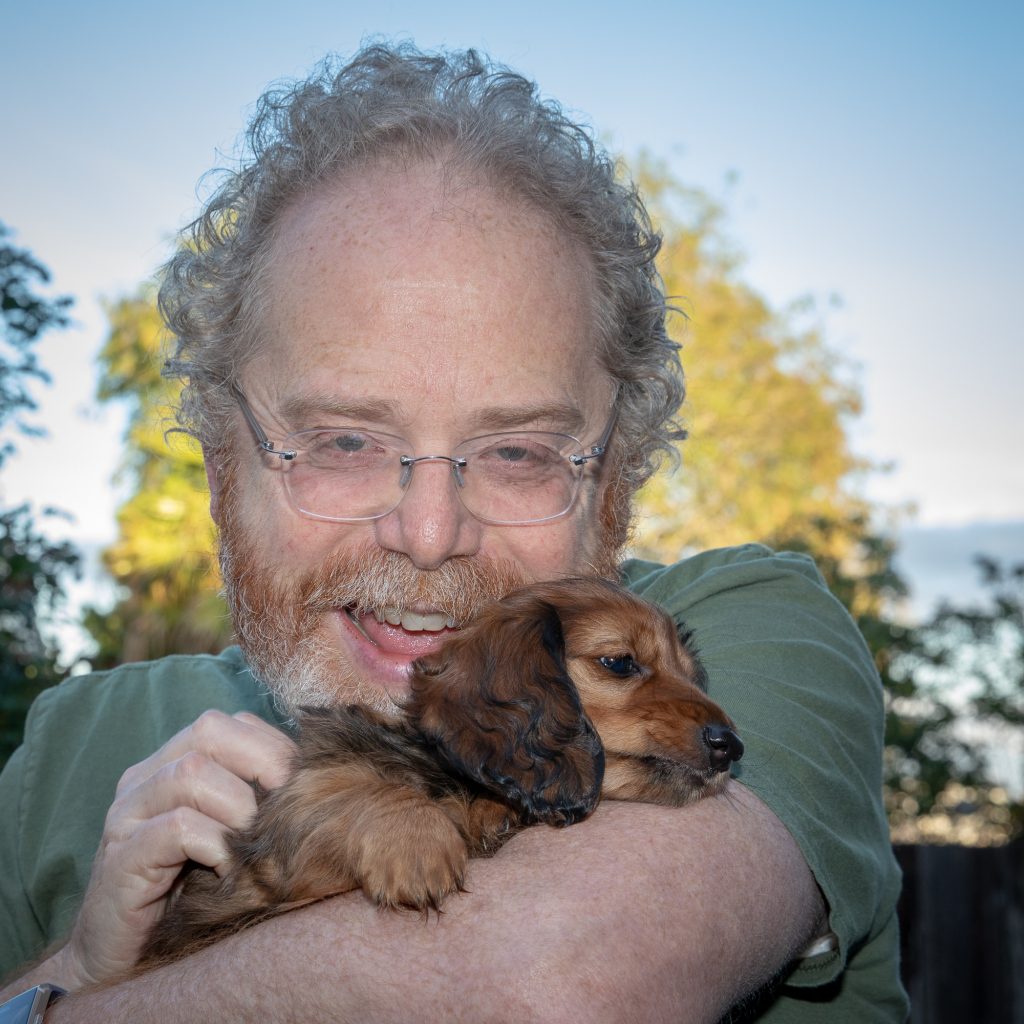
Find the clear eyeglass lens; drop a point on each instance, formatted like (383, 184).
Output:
(351, 474)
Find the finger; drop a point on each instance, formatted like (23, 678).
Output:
(184, 834)
(139, 871)
(245, 745)
(194, 780)
(281, 750)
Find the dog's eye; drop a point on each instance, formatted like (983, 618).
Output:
(621, 665)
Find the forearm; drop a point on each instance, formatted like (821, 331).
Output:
(641, 913)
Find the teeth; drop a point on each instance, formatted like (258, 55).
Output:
(414, 622)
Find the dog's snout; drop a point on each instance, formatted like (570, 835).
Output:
(724, 746)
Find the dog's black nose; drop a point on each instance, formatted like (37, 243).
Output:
(724, 746)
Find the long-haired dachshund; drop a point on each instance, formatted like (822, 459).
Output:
(553, 697)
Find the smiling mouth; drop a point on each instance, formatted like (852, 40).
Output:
(410, 621)
(416, 622)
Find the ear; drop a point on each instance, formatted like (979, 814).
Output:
(498, 705)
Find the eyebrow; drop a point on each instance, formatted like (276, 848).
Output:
(563, 416)
(304, 410)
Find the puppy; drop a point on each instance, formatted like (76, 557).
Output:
(555, 696)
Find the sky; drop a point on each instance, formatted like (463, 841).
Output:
(871, 152)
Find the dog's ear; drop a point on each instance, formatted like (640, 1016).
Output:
(500, 708)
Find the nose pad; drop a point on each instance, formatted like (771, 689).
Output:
(724, 746)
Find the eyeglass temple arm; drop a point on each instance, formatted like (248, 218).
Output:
(264, 442)
(597, 450)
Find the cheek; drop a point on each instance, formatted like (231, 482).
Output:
(541, 552)
(283, 539)
(302, 544)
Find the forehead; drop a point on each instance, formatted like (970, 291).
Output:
(398, 285)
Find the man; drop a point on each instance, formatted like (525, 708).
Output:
(419, 255)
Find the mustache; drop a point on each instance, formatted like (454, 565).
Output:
(375, 580)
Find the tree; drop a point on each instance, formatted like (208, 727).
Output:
(164, 556)
(956, 694)
(24, 316)
(767, 456)
(31, 567)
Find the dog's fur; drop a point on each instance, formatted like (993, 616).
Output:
(555, 696)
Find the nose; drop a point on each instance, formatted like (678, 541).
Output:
(430, 524)
(724, 746)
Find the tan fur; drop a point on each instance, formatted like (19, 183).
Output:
(516, 721)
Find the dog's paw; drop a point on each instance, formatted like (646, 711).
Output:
(414, 865)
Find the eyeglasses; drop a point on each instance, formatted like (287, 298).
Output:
(350, 474)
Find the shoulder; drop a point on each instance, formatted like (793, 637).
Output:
(151, 695)
(749, 571)
(786, 660)
(98, 724)
(752, 608)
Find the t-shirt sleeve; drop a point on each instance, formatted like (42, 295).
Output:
(20, 934)
(788, 664)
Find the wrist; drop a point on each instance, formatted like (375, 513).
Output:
(62, 969)
(53, 970)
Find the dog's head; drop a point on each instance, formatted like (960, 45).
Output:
(564, 690)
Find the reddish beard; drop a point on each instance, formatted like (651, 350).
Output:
(280, 622)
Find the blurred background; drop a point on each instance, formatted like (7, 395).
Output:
(840, 192)
(839, 188)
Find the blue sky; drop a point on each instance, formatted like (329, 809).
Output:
(878, 150)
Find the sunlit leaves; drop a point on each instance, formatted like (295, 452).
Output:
(768, 457)
(164, 554)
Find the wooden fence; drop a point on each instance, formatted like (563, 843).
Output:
(962, 920)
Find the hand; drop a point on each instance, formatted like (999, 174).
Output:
(173, 807)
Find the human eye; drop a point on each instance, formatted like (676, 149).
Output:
(344, 449)
(519, 456)
(514, 452)
(351, 443)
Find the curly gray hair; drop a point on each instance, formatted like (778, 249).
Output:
(393, 101)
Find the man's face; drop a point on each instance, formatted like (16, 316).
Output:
(435, 317)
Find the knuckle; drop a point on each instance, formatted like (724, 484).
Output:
(210, 724)
(181, 822)
(117, 832)
(189, 767)
(130, 778)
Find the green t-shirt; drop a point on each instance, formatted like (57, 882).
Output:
(782, 656)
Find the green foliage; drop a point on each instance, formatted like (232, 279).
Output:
(954, 686)
(164, 555)
(956, 689)
(31, 567)
(24, 316)
(31, 571)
